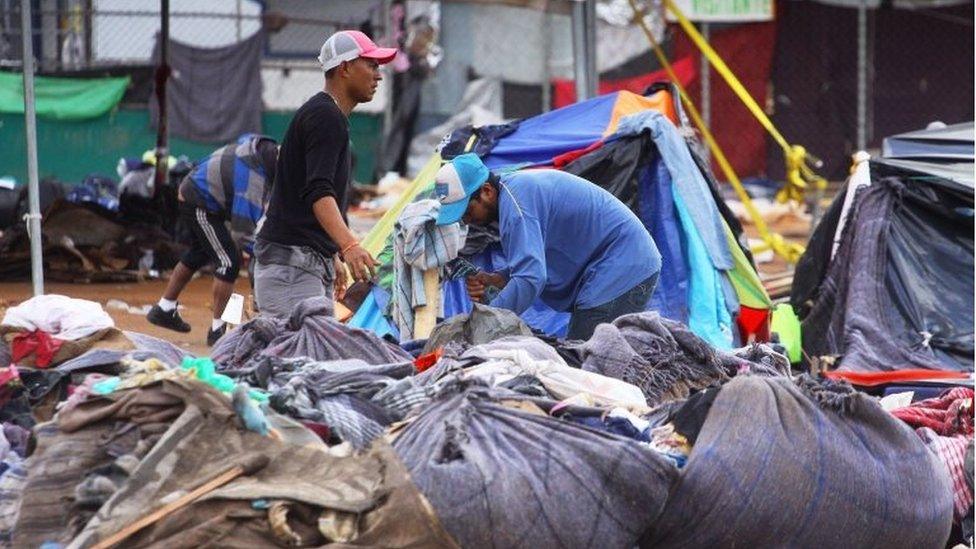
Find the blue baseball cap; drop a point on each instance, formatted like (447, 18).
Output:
(455, 184)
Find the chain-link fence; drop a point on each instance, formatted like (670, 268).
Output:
(89, 39)
(833, 77)
(71, 35)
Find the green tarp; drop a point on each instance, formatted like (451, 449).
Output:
(63, 98)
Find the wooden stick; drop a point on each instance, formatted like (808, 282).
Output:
(248, 467)
(425, 318)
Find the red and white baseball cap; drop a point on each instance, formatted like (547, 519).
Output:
(347, 45)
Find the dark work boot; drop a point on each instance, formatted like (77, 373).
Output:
(214, 335)
(170, 320)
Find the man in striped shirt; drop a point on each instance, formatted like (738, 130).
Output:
(231, 185)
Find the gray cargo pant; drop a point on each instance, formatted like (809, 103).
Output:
(284, 276)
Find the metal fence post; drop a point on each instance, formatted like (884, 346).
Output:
(162, 74)
(862, 75)
(592, 76)
(547, 54)
(33, 218)
(584, 48)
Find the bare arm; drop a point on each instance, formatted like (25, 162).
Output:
(327, 213)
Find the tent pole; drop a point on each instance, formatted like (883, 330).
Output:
(862, 75)
(386, 12)
(162, 74)
(238, 20)
(33, 218)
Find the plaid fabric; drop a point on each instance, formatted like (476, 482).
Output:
(952, 453)
(11, 486)
(344, 415)
(951, 413)
(403, 397)
(349, 417)
(419, 244)
(459, 268)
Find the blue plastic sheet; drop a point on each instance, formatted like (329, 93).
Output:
(370, 316)
(658, 214)
(541, 138)
(708, 316)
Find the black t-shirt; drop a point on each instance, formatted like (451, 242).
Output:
(313, 163)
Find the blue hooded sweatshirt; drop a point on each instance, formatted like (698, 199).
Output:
(569, 242)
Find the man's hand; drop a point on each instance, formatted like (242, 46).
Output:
(341, 278)
(477, 284)
(362, 265)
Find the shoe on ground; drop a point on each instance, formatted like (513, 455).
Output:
(214, 335)
(170, 320)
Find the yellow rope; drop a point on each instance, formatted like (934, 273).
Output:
(787, 250)
(799, 175)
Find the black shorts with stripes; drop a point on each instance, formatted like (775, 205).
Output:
(211, 243)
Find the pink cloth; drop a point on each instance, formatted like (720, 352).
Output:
(80, 392)
(952, 453)
(945, 425)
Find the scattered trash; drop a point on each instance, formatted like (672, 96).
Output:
(234, 311)
(119, 305)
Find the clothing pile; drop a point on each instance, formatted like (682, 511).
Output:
(53, 328)
(170, 436)
(508, 475)
(782, 461)
(662, 357)
(349, 399)
(309, 332)
(54, 350)
(306, 432)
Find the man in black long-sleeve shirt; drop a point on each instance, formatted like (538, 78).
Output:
(305, 238)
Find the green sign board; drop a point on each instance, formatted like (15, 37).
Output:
(725, 11)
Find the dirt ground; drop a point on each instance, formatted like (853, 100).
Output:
(195, 302)
(196, 305)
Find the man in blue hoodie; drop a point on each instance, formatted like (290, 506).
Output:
(230, 185)
(566, 240)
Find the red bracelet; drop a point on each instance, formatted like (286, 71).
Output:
(349, 247)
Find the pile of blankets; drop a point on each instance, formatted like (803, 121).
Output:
(488, 437)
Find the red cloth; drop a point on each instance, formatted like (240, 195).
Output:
(949, 414)
(872, 379)
(319, 429)
(945, 425)
(748, 51)
(38, 343)
(566, 158)
(564, 90)
(424, 362)
(753, 324)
